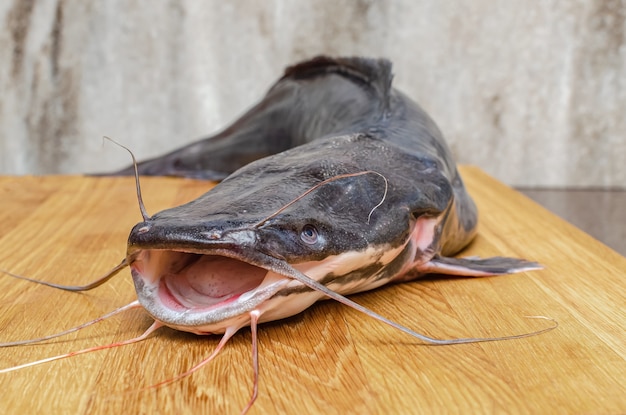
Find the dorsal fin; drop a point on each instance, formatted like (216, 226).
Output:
(372, 73)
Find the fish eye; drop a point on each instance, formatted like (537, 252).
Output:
(309, 234)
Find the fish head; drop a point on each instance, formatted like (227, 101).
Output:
(203, 266)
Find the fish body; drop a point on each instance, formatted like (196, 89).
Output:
(335, 179)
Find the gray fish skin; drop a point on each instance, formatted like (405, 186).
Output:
(387, 203)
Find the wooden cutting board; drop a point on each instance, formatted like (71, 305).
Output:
(330, 359)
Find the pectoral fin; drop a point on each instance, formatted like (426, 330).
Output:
(477, 267)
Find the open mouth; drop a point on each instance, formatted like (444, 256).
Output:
(200, 282)
(194, 291)
(196, 282)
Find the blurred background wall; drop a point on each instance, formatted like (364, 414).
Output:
(532, 92)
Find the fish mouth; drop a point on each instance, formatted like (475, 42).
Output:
(200, 282)
(201, 292)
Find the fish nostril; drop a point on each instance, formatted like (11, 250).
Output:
(143, 229)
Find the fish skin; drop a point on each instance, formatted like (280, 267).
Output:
(401, 215)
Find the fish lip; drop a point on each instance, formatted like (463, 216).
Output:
(164, 298)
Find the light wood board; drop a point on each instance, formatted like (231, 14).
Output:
(329, 359)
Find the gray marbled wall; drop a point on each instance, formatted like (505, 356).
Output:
(533, 92)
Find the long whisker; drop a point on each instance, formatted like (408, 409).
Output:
(381, 200)
(86, 287)
(311, 283)
(320, 184)
(230, 331)
(254, 320)
(151, 329)
(134, 304)
(142, 207)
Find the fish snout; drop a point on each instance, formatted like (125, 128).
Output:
(150, 234)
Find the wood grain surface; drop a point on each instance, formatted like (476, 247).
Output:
(329, 359)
